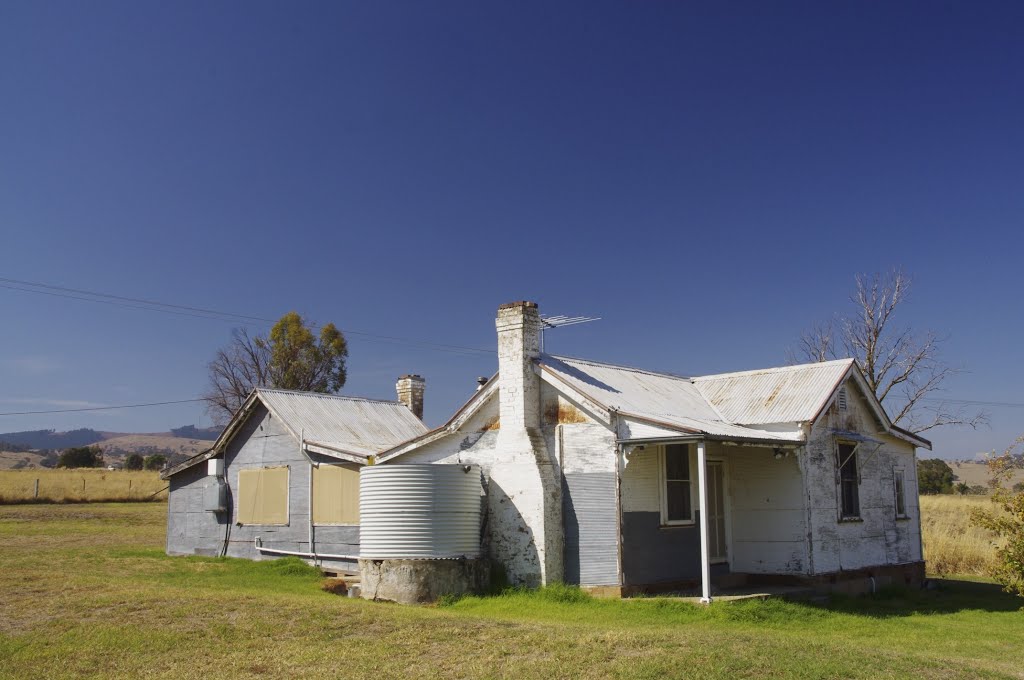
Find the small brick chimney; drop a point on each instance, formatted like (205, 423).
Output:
(410, 392)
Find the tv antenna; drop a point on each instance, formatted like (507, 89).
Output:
(560, 321)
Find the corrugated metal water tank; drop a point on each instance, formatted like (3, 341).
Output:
(419, 512)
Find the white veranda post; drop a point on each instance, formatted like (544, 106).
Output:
(702, 500)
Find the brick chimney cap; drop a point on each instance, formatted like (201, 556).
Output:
(411, 376)
(520, 303)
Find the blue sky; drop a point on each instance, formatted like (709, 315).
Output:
(706, 177)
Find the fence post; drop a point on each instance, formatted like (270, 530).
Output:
(129, 487)
(36, 492)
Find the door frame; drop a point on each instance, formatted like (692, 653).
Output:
(726, 511)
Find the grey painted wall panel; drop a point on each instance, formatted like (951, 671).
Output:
(190, 531)
(652, 554)
(591, 554)
(591, 550)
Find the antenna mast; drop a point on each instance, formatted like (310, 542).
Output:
(560, 321)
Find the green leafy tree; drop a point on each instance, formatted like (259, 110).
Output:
(934, 476)
(133, 462)
(1007, 520)
(291, 357)
(81, 457)
(154, 462)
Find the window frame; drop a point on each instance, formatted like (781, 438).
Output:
(899, 489)
(663, 485)
(840, 480)
(287, 496)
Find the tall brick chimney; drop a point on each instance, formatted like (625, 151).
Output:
(524, 489)
(410, 392)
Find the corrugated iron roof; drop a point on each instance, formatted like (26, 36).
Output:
(773, 395)
(351, 424)
(355, 426)
(661, 398)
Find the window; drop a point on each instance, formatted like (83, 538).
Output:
(263, 496)
(335, 494)
(899, 488)
(676, 506)
(849, 492)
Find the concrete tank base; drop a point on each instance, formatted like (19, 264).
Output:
(420, 581)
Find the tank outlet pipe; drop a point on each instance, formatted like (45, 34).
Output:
(258, 544)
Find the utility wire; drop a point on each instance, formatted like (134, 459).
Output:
(973, 402)
(203, 313)
(101, 408)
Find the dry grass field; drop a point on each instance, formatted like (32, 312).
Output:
(80, 485)
(952, 544)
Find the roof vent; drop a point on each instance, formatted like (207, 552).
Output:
(841, 399)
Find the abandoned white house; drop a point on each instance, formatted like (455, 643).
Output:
(629, 480)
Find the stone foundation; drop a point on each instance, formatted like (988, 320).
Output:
(421, 581)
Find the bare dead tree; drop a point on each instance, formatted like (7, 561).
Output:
(903, 367)
(234, 372)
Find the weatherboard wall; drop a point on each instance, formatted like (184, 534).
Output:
(877, 536)
(261, 442)
(190, 529)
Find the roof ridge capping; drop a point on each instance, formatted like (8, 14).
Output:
(623, 367)
(773, 369)
(345, 397)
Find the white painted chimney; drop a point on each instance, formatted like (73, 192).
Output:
(524, 488)
(410, 390)
(518, 325)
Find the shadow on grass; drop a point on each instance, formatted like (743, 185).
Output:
(949, 596)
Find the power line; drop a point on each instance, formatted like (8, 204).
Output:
(203, 313)
(101, 408)
(974, 402)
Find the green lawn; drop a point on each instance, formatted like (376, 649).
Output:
(87, 591)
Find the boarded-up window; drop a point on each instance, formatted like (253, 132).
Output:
(335, 495)
(676, 505)
(263, 496)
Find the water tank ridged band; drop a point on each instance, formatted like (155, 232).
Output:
(419, 512)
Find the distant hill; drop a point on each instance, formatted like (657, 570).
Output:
(30, 448)
(50, 439)
(193, 432)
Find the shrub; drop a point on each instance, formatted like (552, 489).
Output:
(1008, 524)
(934, 476)
(133, 462)
(154, 462)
